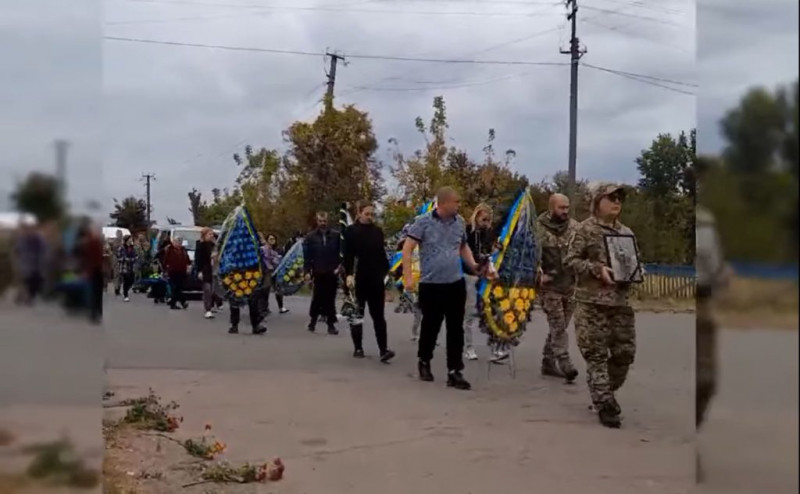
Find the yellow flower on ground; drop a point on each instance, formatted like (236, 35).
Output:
(509, 318)
(505, 304)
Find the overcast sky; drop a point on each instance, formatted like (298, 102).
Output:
(180, 112)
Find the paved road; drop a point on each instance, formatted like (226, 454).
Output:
(46, 359)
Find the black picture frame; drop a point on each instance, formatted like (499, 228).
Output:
(622, 257)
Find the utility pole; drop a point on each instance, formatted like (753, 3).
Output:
(147, 178)
(331, 78)
(61, 166)
(575, 52)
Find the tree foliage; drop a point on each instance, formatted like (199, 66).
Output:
(39, 195)
(130, 213)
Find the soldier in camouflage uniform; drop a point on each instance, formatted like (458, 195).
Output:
(604, 318)
(556, 286)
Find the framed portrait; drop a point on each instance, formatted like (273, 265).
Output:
(623, 258)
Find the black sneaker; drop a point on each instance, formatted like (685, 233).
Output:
(358, 353)
(185, 305)
(259, 330)
(312, 326)
(456, 380)
(283, 310)
(386, 356)
(425, 373)
(233, 330)
(608, 416)
(332, 330)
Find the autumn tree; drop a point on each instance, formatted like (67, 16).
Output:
(130, 213)
(39, 195)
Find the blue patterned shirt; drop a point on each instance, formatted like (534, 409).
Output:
(440, 241)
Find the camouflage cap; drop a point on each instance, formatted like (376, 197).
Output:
(601, 189)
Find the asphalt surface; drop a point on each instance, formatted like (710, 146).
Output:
(750, 444)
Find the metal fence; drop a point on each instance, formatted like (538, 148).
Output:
(670, 281)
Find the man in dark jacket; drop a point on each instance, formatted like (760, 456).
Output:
(366, 266)
(321, 254)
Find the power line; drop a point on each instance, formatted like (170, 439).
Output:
(642, 76)
(621, 30)
(181, 19)
(639, 78)
(349, 10)
(636, 16)
(451, 86)
(317, 54)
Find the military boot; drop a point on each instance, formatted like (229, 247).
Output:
(568, 370)
(608, 416)
(549, 368)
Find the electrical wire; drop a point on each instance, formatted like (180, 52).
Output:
(636, 16)
(316, 54)
(621, 30)
(346, 9)
(633, 74)
(643, 79)
(451, 86)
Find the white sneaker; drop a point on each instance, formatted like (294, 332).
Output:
(470, 354)
(126, 299)
(209, 315)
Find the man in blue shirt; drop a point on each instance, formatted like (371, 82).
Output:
(442, 240)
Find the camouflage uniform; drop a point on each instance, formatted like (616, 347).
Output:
(557, 296)
(711, 272)
(604, 318)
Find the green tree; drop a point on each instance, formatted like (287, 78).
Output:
(130, 213)
(39, 195)
(755, 131)
(328, 161)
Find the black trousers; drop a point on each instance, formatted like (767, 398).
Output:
(127, 283)
(177, 281)
(371, 293)
(278, 298)
(323, 298)
(97, 284)
(253, 309)
(443, 303)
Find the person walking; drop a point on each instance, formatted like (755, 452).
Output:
(126, 266)
(482, 242)
(366, 266)
(117, 276)
(442, 239)
(273, 255)
(205, 272)
(176, 265)
(604, 319)
(556, 286)
(321, 254)
(30, 252)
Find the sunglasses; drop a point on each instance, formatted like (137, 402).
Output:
(616, 197)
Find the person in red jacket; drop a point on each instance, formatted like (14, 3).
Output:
(176, 264)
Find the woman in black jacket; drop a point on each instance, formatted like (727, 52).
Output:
(205, 272)
(366, 265)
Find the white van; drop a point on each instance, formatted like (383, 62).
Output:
(110, 232)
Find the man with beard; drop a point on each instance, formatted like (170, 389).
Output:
(321, 255)
(556, 286)
(366, 265)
